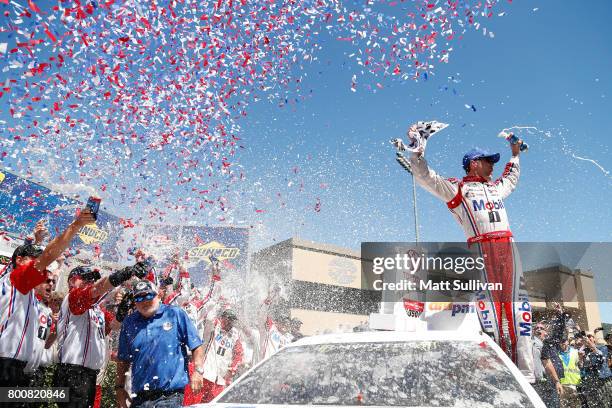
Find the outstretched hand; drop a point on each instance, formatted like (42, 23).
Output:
(84, 217)
(40, 231)
(140, 270)
(516, 147)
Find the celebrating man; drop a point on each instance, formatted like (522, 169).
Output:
(20, 314)
(476, 202)
(83, 326)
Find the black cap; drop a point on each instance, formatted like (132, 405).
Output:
(86, 273)
(229, 314)
(30, 250)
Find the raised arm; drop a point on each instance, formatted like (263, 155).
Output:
(61, 242)
(510, 177)
(431, 181)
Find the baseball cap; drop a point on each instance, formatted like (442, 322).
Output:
(144, 287)
(476, 154)
(30, 250)
(86, 273)
(229, 314)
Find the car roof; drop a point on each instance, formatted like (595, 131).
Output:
(390, 336)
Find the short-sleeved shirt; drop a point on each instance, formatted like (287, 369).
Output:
(157, 348)
(550, 351)
(82, 329)
(20, 317)
(538, 369)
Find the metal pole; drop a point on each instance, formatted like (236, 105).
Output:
(406, 165)
(416, 217)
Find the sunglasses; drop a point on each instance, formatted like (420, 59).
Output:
(144, 298)
(52, 281)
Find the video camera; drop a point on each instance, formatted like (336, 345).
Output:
(580, 335)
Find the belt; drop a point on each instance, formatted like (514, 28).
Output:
(152, 395)
(488, 236)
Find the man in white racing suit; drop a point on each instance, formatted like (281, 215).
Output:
(477, 204)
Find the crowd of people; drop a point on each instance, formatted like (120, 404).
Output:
(173, 343)
(177, 344)
(571, 370)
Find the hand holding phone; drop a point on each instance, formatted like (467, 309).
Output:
(93, 204)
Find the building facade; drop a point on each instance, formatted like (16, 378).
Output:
(324, 287)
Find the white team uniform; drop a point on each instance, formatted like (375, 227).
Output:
(477, 205)
(21, 324)
(45, 357)
(223, 353)
(81, 338)
(274, 339)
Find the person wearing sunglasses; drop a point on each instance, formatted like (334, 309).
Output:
(154, 342)
(476, 202)
(82, 329)
(19, 307)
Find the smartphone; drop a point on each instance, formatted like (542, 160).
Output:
(93, 203)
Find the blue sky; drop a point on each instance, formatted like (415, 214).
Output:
(548, 68)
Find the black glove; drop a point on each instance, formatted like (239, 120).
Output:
(167, 281)
(140, 269)
(127, 303)
(120, 276)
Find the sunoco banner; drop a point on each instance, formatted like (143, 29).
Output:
(194, 246)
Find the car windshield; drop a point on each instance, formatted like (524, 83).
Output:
(414, 373)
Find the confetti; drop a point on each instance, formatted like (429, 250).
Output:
(147, 100)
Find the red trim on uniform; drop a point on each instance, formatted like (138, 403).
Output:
(456, 200)
(80, 299)
(169, 269)
(98, 398)
(488, 236)
(507, 170)
(25, 327)
(26, 277)
(468, 179)
(237, 356)
(210, 390)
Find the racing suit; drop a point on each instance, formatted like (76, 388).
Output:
(478, 207)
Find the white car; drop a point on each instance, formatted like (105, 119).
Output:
(384, 369)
